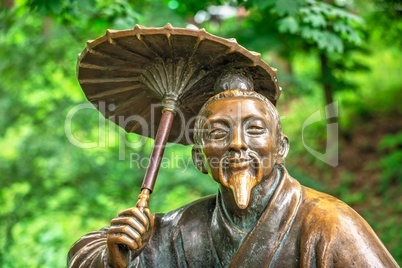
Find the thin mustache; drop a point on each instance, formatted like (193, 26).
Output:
(238, 157)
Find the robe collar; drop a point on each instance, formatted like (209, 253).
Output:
(261, 246)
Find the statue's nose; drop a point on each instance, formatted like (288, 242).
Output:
(237, 143)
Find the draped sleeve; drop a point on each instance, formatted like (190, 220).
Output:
(89, 251)
(165, 248)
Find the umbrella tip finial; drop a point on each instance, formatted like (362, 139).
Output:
(168, 26)
(255, 54)
(256, 57)
(202, 34)
(109, 35)
(137, 27)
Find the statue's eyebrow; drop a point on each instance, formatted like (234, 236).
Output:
(213, 121)
(265, 119)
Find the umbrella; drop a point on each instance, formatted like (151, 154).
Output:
(146, 76)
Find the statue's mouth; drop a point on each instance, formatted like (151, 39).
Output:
(235, 164)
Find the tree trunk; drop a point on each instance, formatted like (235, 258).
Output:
(326, 75)
(331, 112)
(7, 3)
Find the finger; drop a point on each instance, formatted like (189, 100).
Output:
(137, 213)
(127, 231)
(127, 212)
(119, 239)
(150, 218)
(130, 221)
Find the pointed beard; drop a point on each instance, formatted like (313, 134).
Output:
(241, 182)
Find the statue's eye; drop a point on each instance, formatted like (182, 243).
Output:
(255, 128)
(218, 134)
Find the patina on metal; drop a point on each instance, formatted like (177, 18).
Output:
(261, 216)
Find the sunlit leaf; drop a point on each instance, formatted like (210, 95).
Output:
(288, 24)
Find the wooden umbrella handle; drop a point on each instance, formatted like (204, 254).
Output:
(161, 138)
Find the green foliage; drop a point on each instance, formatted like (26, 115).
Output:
(326, 26)
(285, 7)
(314, 28)
(376, 96)
(391, 146)
(52, 192)
(385, 21)
(345, 193)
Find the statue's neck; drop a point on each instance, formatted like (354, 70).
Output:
(245, 219)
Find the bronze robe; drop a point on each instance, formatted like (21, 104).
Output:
(299, 228)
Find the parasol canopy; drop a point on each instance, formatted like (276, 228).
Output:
(135, 74)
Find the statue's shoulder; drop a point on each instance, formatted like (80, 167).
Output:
(331, 218)
(197, 210)
(326, 208)
(315, 206)
(330, 228)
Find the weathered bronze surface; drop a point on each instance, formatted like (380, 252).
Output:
(260, 217)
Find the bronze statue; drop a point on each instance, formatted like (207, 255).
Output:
(260, 217)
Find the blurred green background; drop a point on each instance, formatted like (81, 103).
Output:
(346, 52)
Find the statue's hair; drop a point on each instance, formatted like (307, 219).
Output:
(234, 79)
(201, 118)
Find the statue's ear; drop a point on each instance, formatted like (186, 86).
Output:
(283, 149)
(198, 159)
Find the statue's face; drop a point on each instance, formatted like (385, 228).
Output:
(239, 143)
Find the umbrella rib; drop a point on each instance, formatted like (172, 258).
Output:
(109, 68)
(108, 80)
(146, 45)
(169, 68)
(188, 74)
(183, 87)
(120, 108)
(125, 48)
(149, 80)
(170, 72)
(170, 45)
(102, 54)
(196, 46)
(158, 76)
(110, 92)
(194, 80)
(144, 114)
(166, 81)
(179, 68)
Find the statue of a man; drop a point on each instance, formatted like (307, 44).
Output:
(261, 216)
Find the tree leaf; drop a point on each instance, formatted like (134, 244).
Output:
(316, 20)
(290, 7)
(288, 25)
